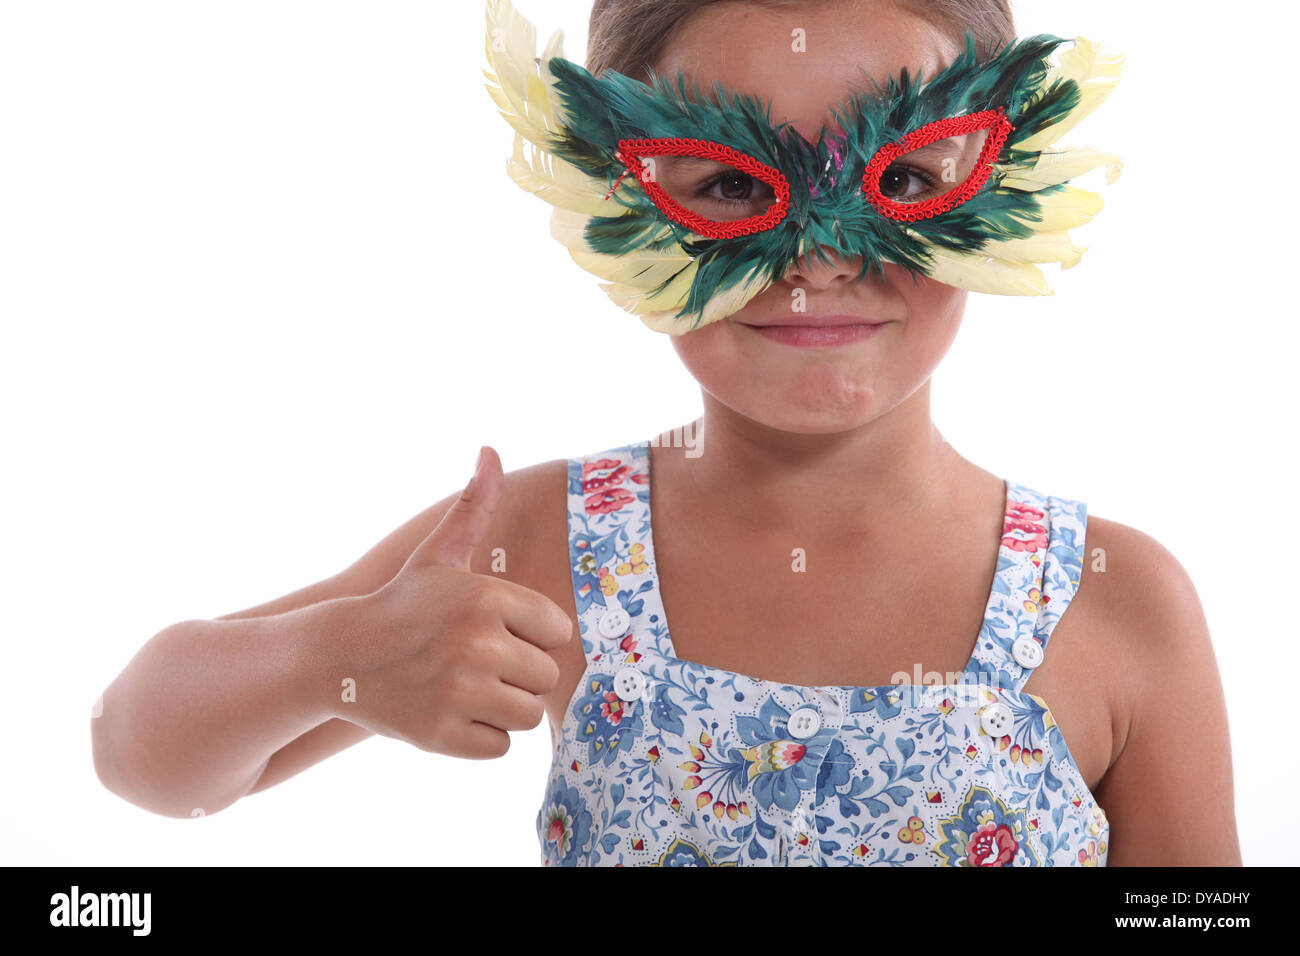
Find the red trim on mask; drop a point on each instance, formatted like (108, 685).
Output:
(992, 120)
(630, 152)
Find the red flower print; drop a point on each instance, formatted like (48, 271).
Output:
(1027, 519)
(601, 483)
(608, 473)
(614, 709)
(1023, 511)
(790, 754)
(991, 845)
(604, 502)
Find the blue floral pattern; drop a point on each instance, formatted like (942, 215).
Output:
(564, 823)
(607, 723)
(707, 767)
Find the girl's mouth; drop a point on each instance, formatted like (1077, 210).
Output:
(820, 331)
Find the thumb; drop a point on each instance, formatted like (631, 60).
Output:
(453, 541)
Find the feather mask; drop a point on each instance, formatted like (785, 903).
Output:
(687, 206)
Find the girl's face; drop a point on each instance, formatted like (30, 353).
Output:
(801, 379)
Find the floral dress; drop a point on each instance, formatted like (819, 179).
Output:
(666, 762)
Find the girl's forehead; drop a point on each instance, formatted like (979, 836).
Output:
(805, 61)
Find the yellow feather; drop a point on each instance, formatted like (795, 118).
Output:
(983, 273)
(639, 301)
(1067, 209)
(519, 81)
(638, 296)
(1049, 246)
(717, 308)
(522, 88)
(641, 270)
(559, 183)
(1097, 75)
(1008, 267)
(631, 278)
(1054, 168)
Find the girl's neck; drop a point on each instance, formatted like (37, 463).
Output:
(896, 466)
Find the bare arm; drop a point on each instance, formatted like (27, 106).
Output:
(190, 722)
(265, 717)
(1169, 793)
(367, 575)
(211, 710)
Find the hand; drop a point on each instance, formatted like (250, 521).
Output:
(446, 659)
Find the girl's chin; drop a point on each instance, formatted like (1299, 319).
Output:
(808, 417)
(815, 426)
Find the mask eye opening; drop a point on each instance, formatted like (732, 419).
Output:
(994, 121)
(630, 151)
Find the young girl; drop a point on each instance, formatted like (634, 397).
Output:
(857, 669)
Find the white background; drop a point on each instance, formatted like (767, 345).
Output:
(265, 287)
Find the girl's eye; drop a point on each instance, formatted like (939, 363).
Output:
(709, 188)
(932, 170)
(935, 167)
(903, 183)
(712, 189)
(733, 187)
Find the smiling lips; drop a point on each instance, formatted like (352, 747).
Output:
(819, 331)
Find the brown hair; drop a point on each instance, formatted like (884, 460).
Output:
(628, 35)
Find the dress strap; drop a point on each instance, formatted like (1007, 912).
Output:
(1040, 561)
(610, 552)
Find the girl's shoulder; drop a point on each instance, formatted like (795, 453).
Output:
(1170, 780)
(1133, 585)
(1135, 611)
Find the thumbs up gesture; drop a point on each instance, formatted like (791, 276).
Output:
(449, 660)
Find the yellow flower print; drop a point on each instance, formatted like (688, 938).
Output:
(635, 563)
(1024, 755)
(607, 583)
(1037, 599)
(1090, 855)
(1098, 824)
(637, 557)
(914, 832)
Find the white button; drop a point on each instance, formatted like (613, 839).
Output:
(996, 719)
(629, 684)
(804, 722)
(614, 622)
(1027, 652)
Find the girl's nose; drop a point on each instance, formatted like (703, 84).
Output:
(811, 271)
